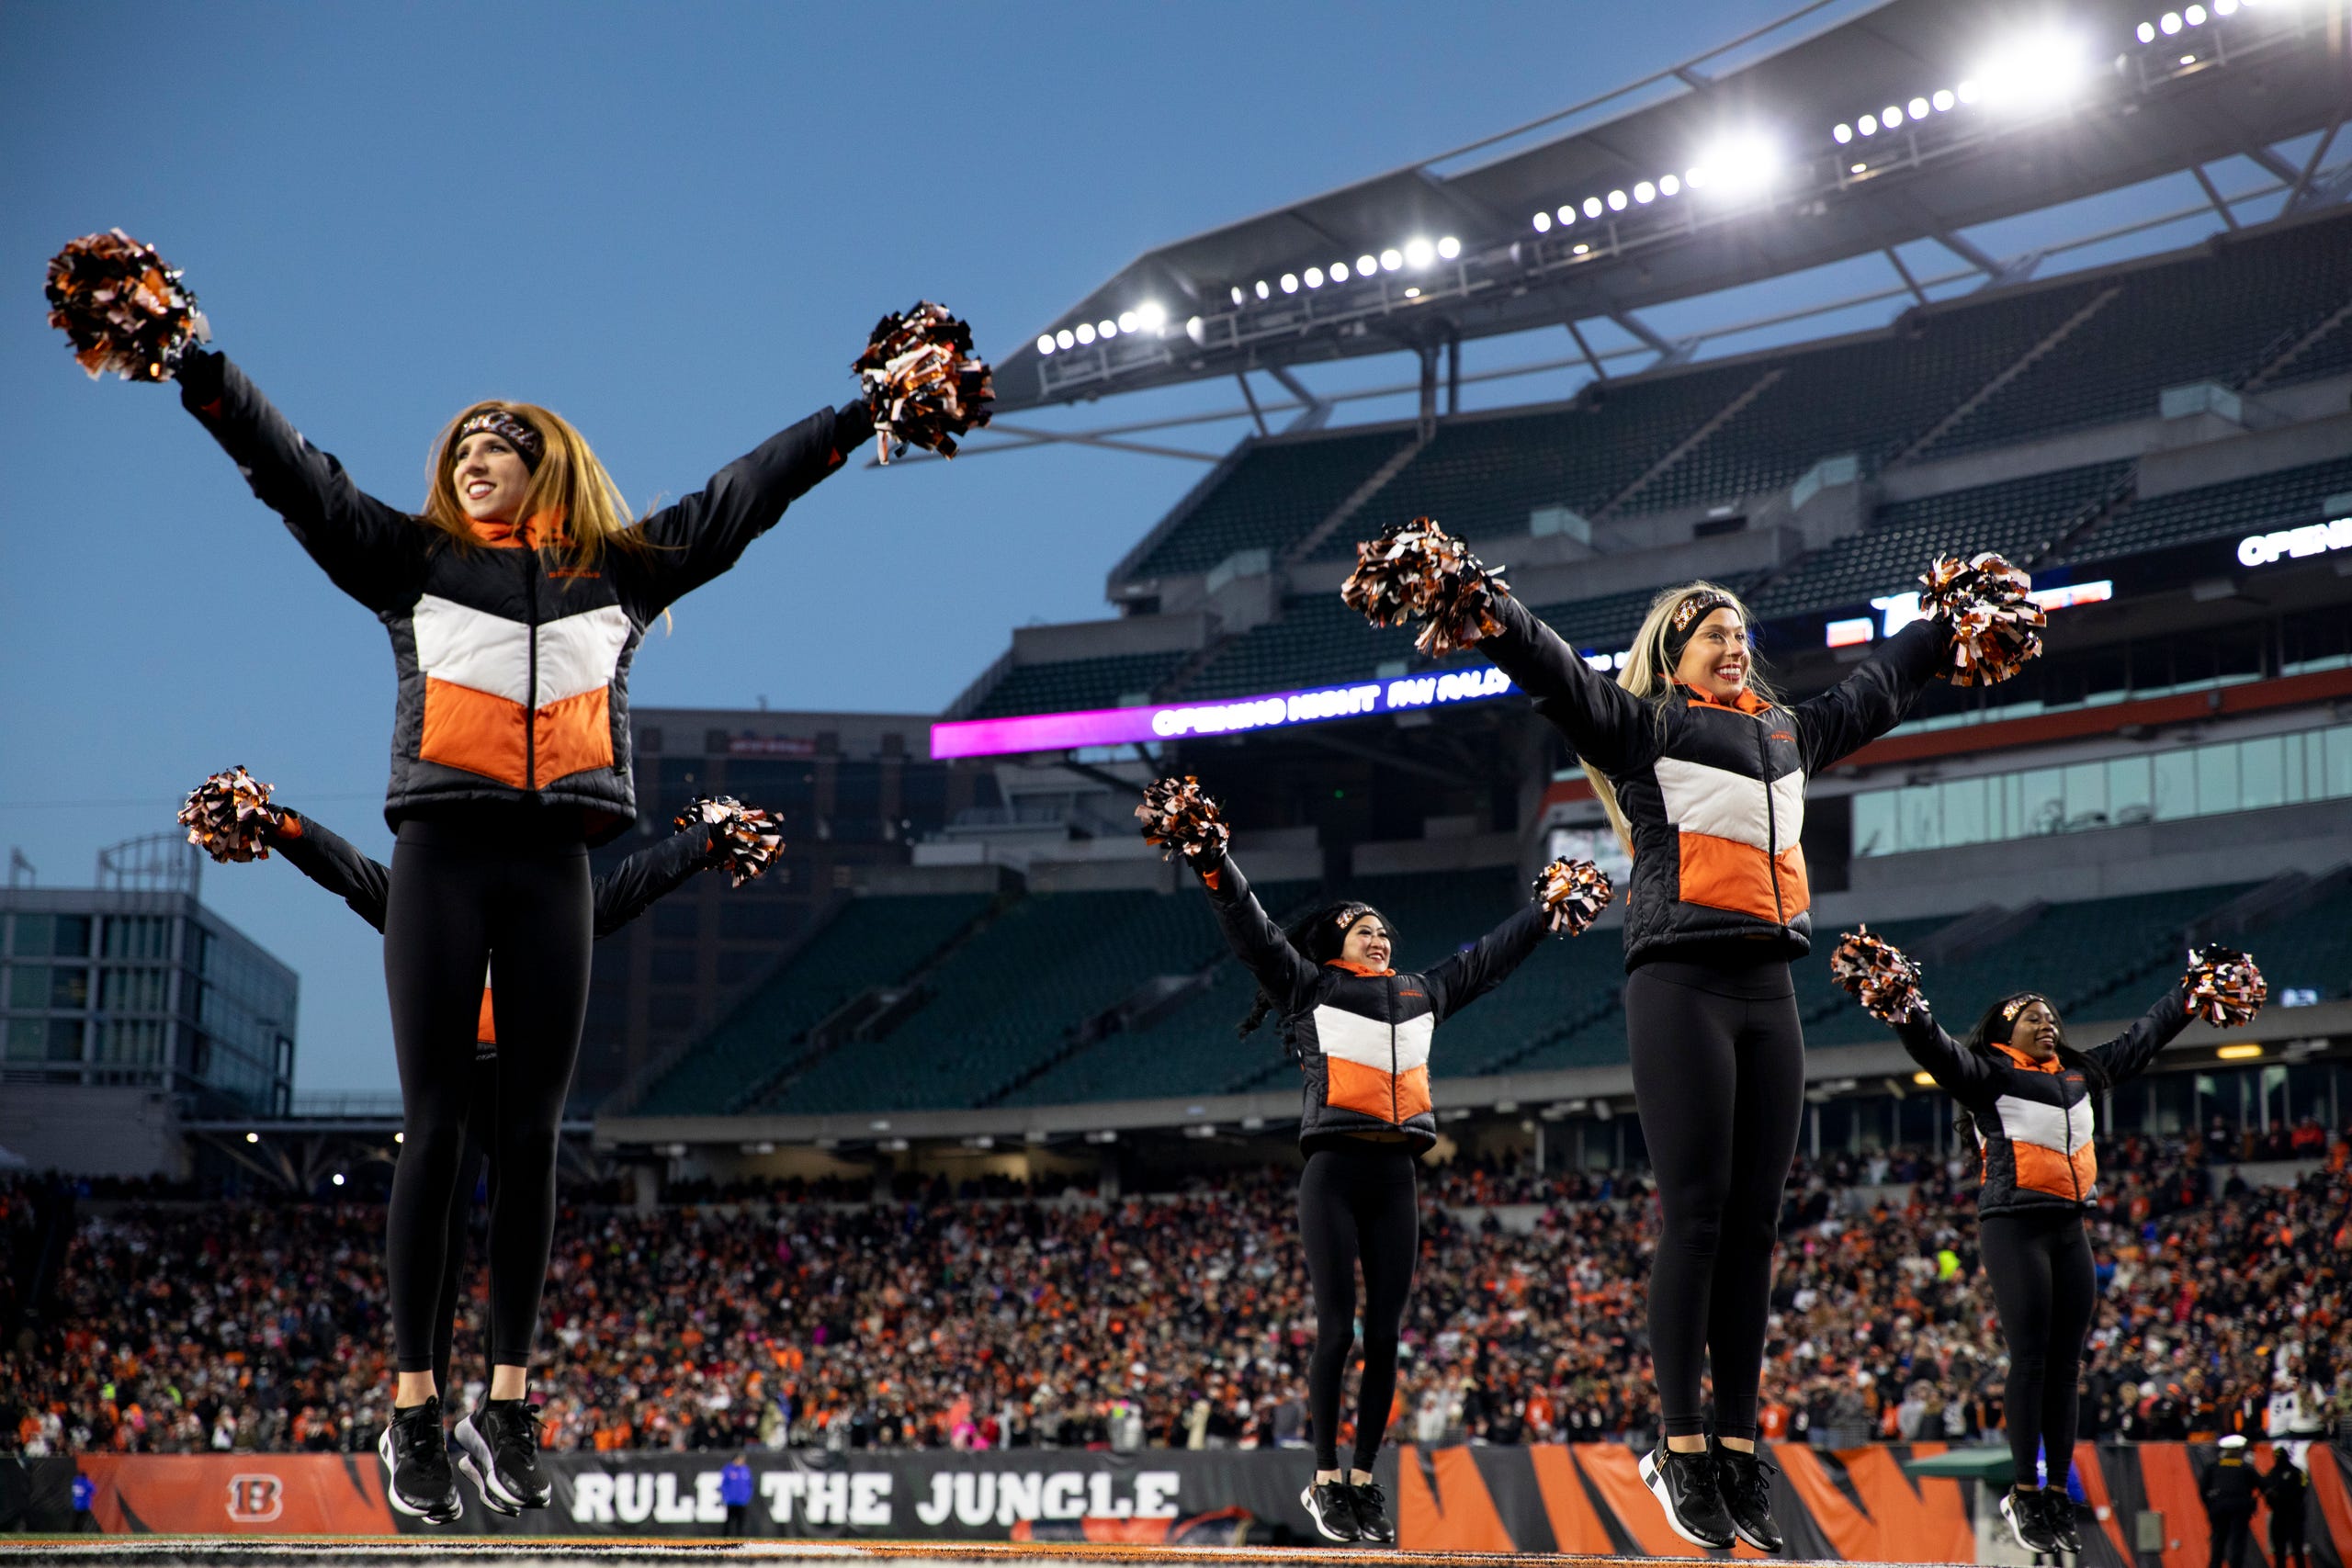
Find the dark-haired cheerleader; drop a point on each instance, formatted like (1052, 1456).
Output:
(1361, 1034)
(498, 1443)
(516, 598)
(2028, 1103)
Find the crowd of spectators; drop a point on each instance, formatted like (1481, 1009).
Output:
(830, 1316)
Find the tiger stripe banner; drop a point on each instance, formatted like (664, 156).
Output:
(1584, 1499)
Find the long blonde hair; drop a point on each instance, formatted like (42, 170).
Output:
(1646, 676)
(580, 509)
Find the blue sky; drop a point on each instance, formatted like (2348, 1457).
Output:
(674, 224)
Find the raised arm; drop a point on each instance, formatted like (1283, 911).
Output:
(371, 551)
(1254, 938)
(1462, 979)
(327, 858)
(2129, 1054)
(1609, 727)
(707, 531)
(1966, 1076)
(632, 887)
(1874, 699)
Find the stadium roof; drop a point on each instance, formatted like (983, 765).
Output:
(1911, 121)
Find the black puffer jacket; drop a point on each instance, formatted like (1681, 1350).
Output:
(1363, 1036)
(513, 664)
(1714, 794)
(2035, 1124)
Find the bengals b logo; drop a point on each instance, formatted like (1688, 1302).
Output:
(255, 1499)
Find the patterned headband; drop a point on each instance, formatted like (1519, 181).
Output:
(1687, 614)
(508, 428)
(2010, 1011)
(1352, 913)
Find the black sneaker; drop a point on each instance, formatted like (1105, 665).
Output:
(1747, 1481)
(2058, 1514)
(2023, 1512)
(415, 1452)
(1332, 1506)
(1374, 1527)
(500, 1444)
(1686, 1486)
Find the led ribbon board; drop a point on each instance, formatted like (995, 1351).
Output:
(1173, 721)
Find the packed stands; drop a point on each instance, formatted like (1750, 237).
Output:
(237, 1327)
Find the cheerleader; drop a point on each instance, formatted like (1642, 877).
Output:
(1360, 1033)
(2028, 1101)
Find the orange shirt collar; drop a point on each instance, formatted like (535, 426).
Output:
(1747, 702)
(539, 529)
(2026, 1061)
(1353, 967)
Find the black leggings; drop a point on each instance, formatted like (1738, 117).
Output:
(507, 889)
(481, 1114)
(2039, 1266)
(1719, 1075)
(1358, 1201)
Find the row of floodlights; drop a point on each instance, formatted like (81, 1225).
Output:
(2041, 69)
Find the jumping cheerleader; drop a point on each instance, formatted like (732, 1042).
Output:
(2028, 1101)
(1703, 772)
(1361, 1034)
(498, 1444)
(514, 601)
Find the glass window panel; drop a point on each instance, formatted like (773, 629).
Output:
(2294, 748)
(2013, 824)
(1964, 812)
(29, 983)
(2339, 764)
(28, 1039)
(2262, 773)
(72, 937)
(2129, 796)
(64, 1039)
(1922, 818)
(1875, 823)
(2085, 795)
(32, 937)
(2045, 800)
(69, 987)
(2216, 779)
(2176, 776)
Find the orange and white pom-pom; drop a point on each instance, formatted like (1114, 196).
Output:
(123, 307)
(923, 384)
(744, 838)
(229, 816)
(1878, 974)
(1177, 814)
(1996, 626)
(1418, 571)
(1574, 893)
(2225, 987)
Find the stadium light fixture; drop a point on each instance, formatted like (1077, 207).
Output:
(1891, 116)
(1842, 134)
(1313, 277)
(1448, 247)
(1617, 201)
(1107, 329)
(1290, 283)
(1339, 272)
(2240, 1052)
(1645, 192)
(1085, 330)
(1917, 108)
(400, 1137)
(1067, 338)
(1419, 252)
(1669, 184)
(1941, 100)
(1237, 294)
(1868, 124)
(1592, 207)
(1543, 221)
(1392, 259)
(253, 1137)
(1366, 265)
(338, 1174)
(1925, 1079)
(2169, 23)
(1263, 291)
(1198, 330)
(1152, 316)
(1044, 342)
(2036, 71)
(1739, 165)
(1127, 320)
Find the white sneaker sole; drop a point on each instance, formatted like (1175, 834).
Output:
(476, 1461)
(1653, 1479)
(1306, 1500)
(2017, 1532)
(391, 1492)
